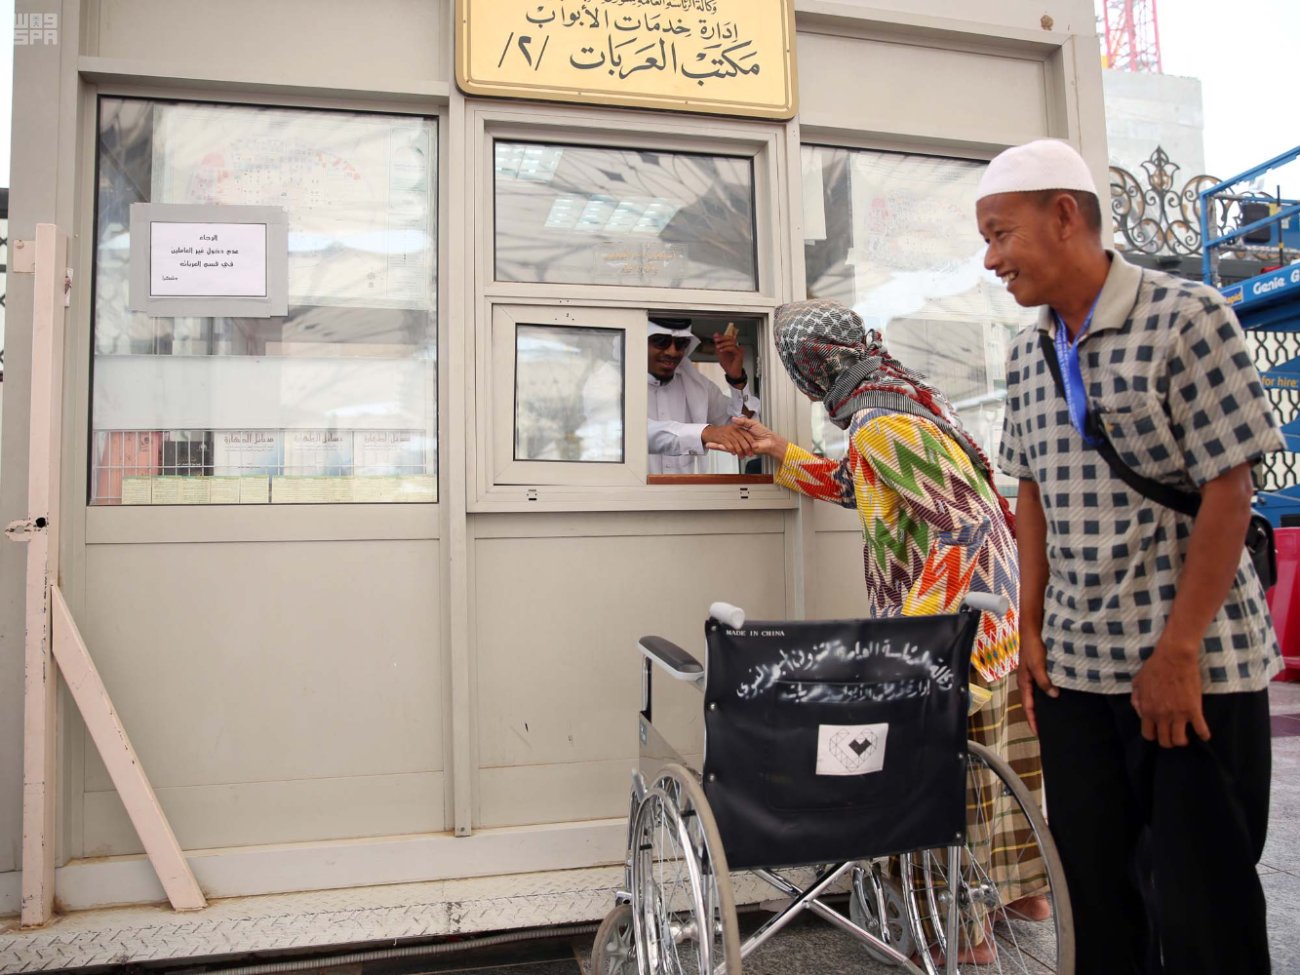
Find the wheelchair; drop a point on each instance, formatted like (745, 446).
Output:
(835, 757)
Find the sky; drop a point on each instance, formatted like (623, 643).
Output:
(1242, 50)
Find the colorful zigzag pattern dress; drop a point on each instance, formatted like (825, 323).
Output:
(933, 530)
(932, 526)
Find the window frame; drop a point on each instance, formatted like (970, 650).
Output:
(652, 132)
(506, 469)
(150, 100)
(132, 524)
(768, 146)
(735, 156)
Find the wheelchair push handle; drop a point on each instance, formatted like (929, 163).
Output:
(728, 615)
(987, 602)
(984, 602)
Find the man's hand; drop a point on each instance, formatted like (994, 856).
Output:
(1167, 690)
(1033, 673)
(1167, 695)
(730, 437)
(764, 440)
(730, 356)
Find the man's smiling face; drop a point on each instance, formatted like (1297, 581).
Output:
(1024, 245)
(666, 353)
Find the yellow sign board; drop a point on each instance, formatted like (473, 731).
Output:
(727, 57)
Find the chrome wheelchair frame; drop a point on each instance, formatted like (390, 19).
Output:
(676, 913)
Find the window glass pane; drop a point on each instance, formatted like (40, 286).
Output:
(333, 402)
(577, 215)
(894, 237)
(569, 394)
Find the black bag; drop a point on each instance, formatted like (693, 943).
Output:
(1259, 535)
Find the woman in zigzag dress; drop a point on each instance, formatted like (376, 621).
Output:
(934, 529)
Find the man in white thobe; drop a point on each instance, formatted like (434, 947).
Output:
(686, 411)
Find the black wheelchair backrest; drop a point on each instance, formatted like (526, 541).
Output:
(836, 740)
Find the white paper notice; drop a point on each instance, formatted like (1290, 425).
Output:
(851, 749)
(207, 260)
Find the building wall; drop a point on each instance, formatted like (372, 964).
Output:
(450, 684)
(1149, 111)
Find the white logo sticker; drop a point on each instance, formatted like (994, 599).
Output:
(851, 749)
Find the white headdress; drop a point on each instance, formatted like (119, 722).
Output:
(1045, 164)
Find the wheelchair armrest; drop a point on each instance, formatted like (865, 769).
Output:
(672, 658)
(987, 602)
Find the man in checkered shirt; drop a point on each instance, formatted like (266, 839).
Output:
(1146, 643)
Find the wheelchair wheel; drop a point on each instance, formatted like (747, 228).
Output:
(683, 908)
(614, 950)
(870, 890)
(1014, 909)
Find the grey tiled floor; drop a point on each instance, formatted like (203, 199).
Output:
(808, 947)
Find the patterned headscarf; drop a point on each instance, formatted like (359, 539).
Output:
(831, 355)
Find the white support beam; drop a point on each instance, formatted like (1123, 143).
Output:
(40, 701)
(52, 635)
(119, 757)
(40, 713)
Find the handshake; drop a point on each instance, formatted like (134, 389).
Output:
(744, 437)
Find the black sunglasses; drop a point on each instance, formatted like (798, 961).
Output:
(662, 342)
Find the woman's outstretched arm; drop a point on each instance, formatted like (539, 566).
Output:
(817, 477)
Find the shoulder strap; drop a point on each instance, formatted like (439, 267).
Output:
(1163, 494)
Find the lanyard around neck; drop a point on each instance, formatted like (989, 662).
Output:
(1067, 352)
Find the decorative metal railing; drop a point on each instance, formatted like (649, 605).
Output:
(1272, 349)
(1159, 216)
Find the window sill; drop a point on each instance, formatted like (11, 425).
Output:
(709, 479)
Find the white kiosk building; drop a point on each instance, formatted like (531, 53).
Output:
(325, 420)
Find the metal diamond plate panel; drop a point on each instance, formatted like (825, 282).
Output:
(336, 917)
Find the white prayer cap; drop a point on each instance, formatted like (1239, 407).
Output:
(1044, 164)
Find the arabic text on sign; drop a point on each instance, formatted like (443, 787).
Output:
(621, 44)
(207, 260)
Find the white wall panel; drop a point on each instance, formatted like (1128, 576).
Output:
(558, 680)
(378, 42)
(235, 664)
(912, 91)
(836, 589)
(217, 816)
(526, 794)
(1069, 16)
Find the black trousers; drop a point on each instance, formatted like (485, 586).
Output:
(1160, 844)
